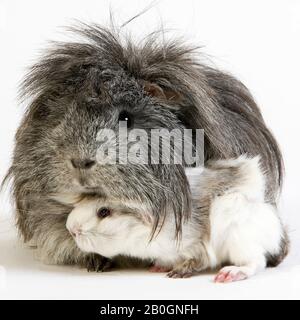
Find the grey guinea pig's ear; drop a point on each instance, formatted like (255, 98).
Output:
(154, 90)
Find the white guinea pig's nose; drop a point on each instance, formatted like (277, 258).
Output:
(75, 231)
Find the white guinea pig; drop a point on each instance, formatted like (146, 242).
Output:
(230, 227)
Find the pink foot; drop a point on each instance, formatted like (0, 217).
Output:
(159, 269)
(230, 274)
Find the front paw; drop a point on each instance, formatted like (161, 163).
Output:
(179, 273)
(96, 263)
(187, 269)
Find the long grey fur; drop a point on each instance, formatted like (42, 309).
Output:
(76, 88)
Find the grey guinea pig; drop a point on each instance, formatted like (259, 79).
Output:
(78, 87)
(231, 225)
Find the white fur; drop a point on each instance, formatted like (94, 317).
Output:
(122, 235)
(243, 231)
(243, 228)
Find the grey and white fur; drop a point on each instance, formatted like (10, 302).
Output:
(78, 87)
(231, 225)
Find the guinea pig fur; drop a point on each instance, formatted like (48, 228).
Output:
(230, 224)
(78, 87)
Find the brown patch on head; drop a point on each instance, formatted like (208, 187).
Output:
(154, 90)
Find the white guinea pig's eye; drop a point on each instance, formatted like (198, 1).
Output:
(103, 212)
(126, 116)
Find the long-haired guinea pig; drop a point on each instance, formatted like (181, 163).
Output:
(80, 87)
(230, 223)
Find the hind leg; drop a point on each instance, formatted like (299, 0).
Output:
(244, 231)
(245, 257)
(237, 273)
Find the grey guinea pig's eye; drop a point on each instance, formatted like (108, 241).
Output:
(103, 212)
(126, 116)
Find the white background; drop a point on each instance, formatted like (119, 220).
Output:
(258, 41)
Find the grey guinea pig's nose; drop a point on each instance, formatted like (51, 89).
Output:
(82, 163)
